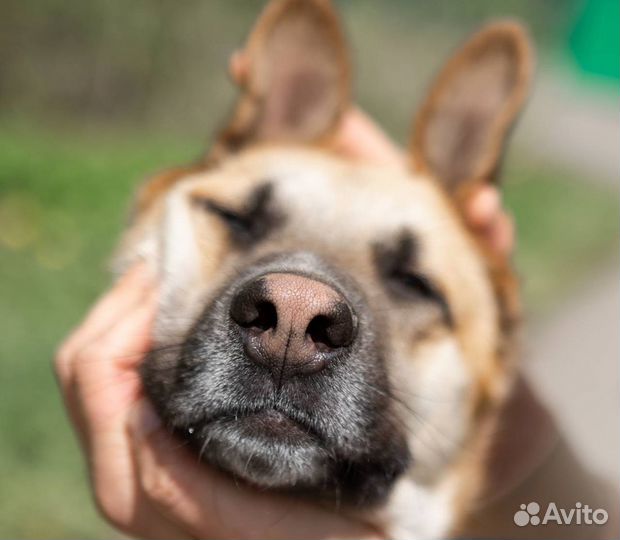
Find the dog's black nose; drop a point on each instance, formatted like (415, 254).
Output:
(292, 324)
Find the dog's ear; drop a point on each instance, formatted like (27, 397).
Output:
(297, 83)
(460, 131)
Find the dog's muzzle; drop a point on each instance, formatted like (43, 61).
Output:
(282, 383)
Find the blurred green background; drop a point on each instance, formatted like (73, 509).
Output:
(95, 95)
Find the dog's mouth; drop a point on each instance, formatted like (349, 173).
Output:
(277, 425)
(273, 424)
(265, 447)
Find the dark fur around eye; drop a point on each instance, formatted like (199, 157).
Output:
(397, 266)
(253, 221)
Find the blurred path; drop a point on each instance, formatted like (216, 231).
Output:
(572, 360)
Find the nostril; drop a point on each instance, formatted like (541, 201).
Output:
(247, 313)
(334, 330)
(252, 309)
(317, 331)
(266, 317)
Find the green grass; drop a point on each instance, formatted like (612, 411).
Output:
(565, 227)
(62, 205)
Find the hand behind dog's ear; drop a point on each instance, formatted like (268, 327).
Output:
(297, 85)
(460, 131)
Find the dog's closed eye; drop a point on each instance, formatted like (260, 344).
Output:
(397, 266)
(252, 222)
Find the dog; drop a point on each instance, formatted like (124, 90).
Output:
(334, 329)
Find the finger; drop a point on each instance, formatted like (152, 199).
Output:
(105, 371)
(502, 234)
(127, 291)
(238, 67)
(483, 206)
(124, 296)
(105, 386)
(359, 137)
(118, 492)
(118, 302)
(121, 502)
(208, 504)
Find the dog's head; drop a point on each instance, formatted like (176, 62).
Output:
(329, 325)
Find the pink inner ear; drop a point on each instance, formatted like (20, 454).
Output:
(466, 113)
(293, 101)
(301, 79)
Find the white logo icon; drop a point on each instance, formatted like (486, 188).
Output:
(528, 515)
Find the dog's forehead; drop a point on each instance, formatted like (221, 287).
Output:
(318, 191)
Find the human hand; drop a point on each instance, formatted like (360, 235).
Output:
(144, 481)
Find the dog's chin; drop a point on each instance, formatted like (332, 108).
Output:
(267, 449)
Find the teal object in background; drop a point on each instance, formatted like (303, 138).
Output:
(594, 40)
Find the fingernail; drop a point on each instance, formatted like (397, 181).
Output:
(143, 420)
